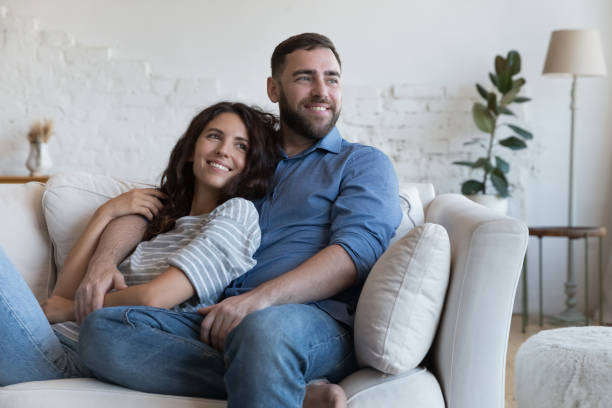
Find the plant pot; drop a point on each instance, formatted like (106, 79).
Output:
(495, 203)
(39, 161)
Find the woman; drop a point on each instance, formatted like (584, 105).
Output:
(202, 236)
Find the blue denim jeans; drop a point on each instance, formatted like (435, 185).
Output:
(268, 360)
(29, 348)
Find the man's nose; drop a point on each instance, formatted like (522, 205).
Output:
(319, 87)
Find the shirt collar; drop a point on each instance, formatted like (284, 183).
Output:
(332, 142)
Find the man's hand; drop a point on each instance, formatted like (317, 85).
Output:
(58, 309)
(220, 319)
(101, 277)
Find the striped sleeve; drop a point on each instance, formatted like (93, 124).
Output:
(222, 251)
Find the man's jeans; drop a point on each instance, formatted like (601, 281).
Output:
(29, 348)
(268, 360)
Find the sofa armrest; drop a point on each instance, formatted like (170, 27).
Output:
(24, 237)
(487, 252)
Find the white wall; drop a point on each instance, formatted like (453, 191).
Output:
(409, 71)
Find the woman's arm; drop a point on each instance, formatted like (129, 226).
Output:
(167, 290)
(145, 202)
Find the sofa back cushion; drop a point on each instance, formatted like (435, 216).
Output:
(69, 202)
(23, 235)
(401, 301)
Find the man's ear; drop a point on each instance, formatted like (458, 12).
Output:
(273, 89)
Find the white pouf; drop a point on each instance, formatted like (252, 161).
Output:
(565, 368)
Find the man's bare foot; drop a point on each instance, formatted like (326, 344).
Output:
(324, 395)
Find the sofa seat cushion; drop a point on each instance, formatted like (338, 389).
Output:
(416, 388)
(401, 301)
(90, 393)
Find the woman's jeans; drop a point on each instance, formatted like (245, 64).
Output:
(268, 360)
(29, 348)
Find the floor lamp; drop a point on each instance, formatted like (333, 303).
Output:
(573, 53)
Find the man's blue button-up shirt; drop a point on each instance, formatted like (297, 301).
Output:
(335, 192)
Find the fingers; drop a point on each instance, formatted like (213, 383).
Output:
(119, 281)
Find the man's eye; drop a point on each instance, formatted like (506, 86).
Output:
(333, 81)
(303, 79)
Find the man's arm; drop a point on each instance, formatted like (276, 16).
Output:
(327, 273)
(118, 239)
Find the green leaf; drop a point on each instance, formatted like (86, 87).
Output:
(517, 83)
(521, 99)
(502, 165)
(522, 132)
(492, 103)
(505, 82)
(481, 91)
(506, 111)
(501, 65)
(508, 98)
(493, 79)
(498, 179)
(513, 143)
(465, 163)
(483, 118)
(514, 61)
(471, 187)
(484, 163)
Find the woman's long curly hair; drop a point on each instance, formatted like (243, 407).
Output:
(178, 180)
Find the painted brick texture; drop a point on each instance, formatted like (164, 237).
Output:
(116, 117)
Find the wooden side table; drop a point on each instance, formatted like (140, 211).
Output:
(22, 179)
(569, 233)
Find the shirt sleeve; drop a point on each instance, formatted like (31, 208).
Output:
(367, 210)
(222, 251)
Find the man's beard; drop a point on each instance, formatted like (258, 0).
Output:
(301, 125)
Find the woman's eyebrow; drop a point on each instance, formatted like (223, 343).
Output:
(216, 130)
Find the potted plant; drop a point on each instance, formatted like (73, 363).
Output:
(487, 118)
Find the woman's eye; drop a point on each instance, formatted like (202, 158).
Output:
(214, 136)
(243, 146)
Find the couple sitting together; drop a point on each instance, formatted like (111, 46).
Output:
(248, 261)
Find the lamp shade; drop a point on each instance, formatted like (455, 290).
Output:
(575, 52)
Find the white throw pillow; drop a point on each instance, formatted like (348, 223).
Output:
(69, 202)
(401, 301)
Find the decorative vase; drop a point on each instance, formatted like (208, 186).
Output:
(39, 161)
(493, 202)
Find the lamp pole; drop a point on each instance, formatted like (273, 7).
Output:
(571, 314)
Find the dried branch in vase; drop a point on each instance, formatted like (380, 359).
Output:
(40, 132)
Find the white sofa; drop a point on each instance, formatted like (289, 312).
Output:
(465, 367)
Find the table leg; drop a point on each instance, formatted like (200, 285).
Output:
(525, 304)
(586, 280)
(540, 289)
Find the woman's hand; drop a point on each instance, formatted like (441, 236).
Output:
(143, 201)
(58, 309)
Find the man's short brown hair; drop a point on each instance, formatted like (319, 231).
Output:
(305, 41)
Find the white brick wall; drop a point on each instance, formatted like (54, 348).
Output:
(113, 116)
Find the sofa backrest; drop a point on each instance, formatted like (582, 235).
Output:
(23, 234)
(44, 222)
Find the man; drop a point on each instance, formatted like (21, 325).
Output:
(331, 210)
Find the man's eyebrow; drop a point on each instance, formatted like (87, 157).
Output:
(312, 72)
(303, 72)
